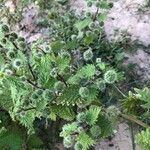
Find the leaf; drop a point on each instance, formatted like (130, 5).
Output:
(68, 129)
(88, 40)
(69, 96)
(82, 24)
(87, 71)
(57, 46)
(63, 112)
(92, 114)
(11, 139)
(85, 140)
(104, 5)
(102, 17)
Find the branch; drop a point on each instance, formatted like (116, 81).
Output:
(62, 79)
(94, 18)
(32, 73)
(135, 120)
(33, 84)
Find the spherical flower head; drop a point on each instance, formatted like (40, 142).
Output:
(23, 78)
(48, 94)
(17, 63)
(59, 86)
(8, 72)
(54, 72)
(73, 37)
(39, 54)
(22, 45)
(101, 85)
(88, 33)
(88, 14)
(98, 60)
(11, 39)
(20, 39)
(10, 54)
(84, 92)
(13, 34)
(91, 25)
(39, 92)
(89, 4)
(65, 54)
(68, 141)
(78, 146)
(80, 129)
(110, 76)
(81, 117)
(5, 28)
(95, 131)
(112, 111)
(88, 55)
(48, 49)
(4, 41)
(34, 96)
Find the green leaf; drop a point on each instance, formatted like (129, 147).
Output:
(82, 24)
(11, 139)
(63, 112)
(85, 140)
(68, 129)
(57, 46)
(102, 17)
(92, 114)
(88, 40)
(69, 96)
(87, 71)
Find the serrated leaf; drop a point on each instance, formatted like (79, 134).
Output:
(82, 24)
(85, 140)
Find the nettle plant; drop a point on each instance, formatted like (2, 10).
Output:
(67, 77)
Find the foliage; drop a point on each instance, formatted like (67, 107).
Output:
(143, 139)
(66, 80)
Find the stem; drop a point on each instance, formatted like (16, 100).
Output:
(119, 91)
(94, 18)
(33, 84)
(132, 135)
(62, 79)
(135, 120)
(32, 73)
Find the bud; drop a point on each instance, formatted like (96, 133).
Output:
(78, 146)
(68, 141)
(8, 72)
(110, 76)
(95, 131)
(84, 92)
(89, 4)
(10, 54)
(5, 28)
(17, 63)
(88, 55)
(81, 117)
(59, 86)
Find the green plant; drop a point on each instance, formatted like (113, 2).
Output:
(66, 80)
(143, 139)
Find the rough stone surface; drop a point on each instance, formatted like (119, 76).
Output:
(121, 140)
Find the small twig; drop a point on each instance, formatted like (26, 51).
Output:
(33, 84)
(62, 79)
(27, 109)
(31, 71)
(94, 18)
(119, 91)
